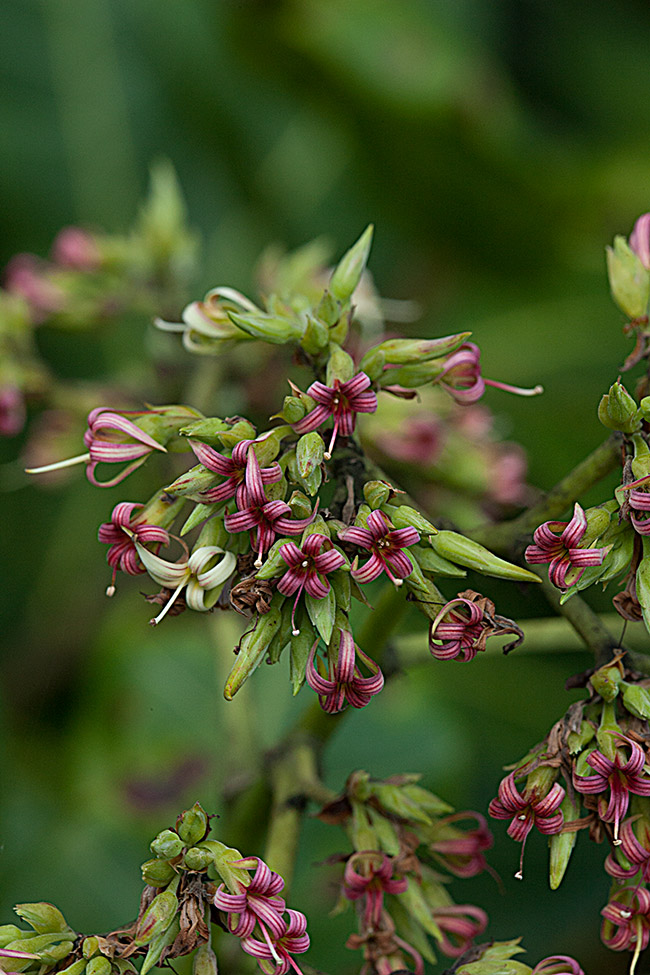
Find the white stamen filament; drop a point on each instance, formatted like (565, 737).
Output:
(168, 605)
(637, 950)
(59, 465)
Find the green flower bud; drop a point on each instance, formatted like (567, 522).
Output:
(275, 329)
(406, 517)
(197, 479)
(340, 365)
(267, 446)
(9, 933)
(241, 430)
(204, 961)
(157, 918)
(199, 514)
(293, 409)
(348, 271)
(157, 873)
(373, 363)
(90, 945)
(403, 352)
(418, 374)
(253, 647)
(641, 459)
(618, 411)
(300, 505)
(158, 945)
(274, 564)
(197, 859)
(43, 917)
(56, 953)
(362, 834)
(629, 280)
(77, 967)
(223, 858)
(466, 552)
(643, 582)
(164, 424)
(340, 582)
(385, 831)
(329, 310)
(561, 844)
(309, 453)
(315, 336)
(192, 825)
(606, 679)
(377, 493)
(636, 699)
(415, 902)
(577, 740)
(99, 965)
(207, 430)
(212, 533)
(430, 561)
(167, 845)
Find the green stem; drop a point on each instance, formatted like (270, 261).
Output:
(503, 537)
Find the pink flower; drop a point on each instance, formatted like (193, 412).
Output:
(640, 239)
(274, 955)
(28, 276)
(76, 249)
(342, 401)
(459, 924)
(386, 544)
(345, 681)
(621, 776)
(417, 442)
(557, 965)
(111, 439)
(637, 854)
(461, 852)
(122, 554)
(255, 904)
(12, 410)
(461, 376)
(627, 921)
(567, 560)
(369, 874)
(242, 471)
(639, 501)
(526, 811)
(464, 624)
(307, 567)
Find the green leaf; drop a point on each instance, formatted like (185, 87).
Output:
(321, 613)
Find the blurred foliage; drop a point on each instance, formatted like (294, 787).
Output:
(497, 147)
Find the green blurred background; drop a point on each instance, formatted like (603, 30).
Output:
(497, 147)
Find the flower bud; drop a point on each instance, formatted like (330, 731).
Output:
(204, 961)
(212, 533)
(99, 965)
(377, 493)
(241, 430)
(309, 454)
(466, 552)
(373, 363)
(90, 946)
(414, 375)
(197, 859)
(430, 561)
(9, 933)
(167, 845)
(275, 329)
(267, 446)
(606, 679)
(329, 312)
(348, 271)
(629, 280)
(197, 479)
(315, 336)
(43, 917)
(340, 365)
(206, 430)
(158, 945)
(300, 505)
(636, 699)
(157, 873)
(406, 517)
(293, 409)
(157, 918)
(226, 861)
(192, 825)
(77, 967)
(403, 352)
(56, 953)
(618, 410)
(561, 844)
(253, 646)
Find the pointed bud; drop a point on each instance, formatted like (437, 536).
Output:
(300, 505)
(464, 551)
(412, 376)
(158, 945)
(241, 430)
(199, 514)
(293, 409)
(315, 338)
(56, 953)
(253, 647)
(227, 862)
(43, 917)
(430, 561)
(9, 933)
(192, 825)
(207, 430)
(561, 844)
(90, 946)
(157, 918)
(77, 967)
(309, 455)
(322, 614)
(618, 410)
(348, 271)
(377, 493)
(403, 352)
(275, 329)
(167, 845)
(204, 961)
(373, 363)
(267, 446)
(406, 517)
(629, 280)
(197, 479)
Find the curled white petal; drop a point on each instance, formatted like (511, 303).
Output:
(168, 574)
